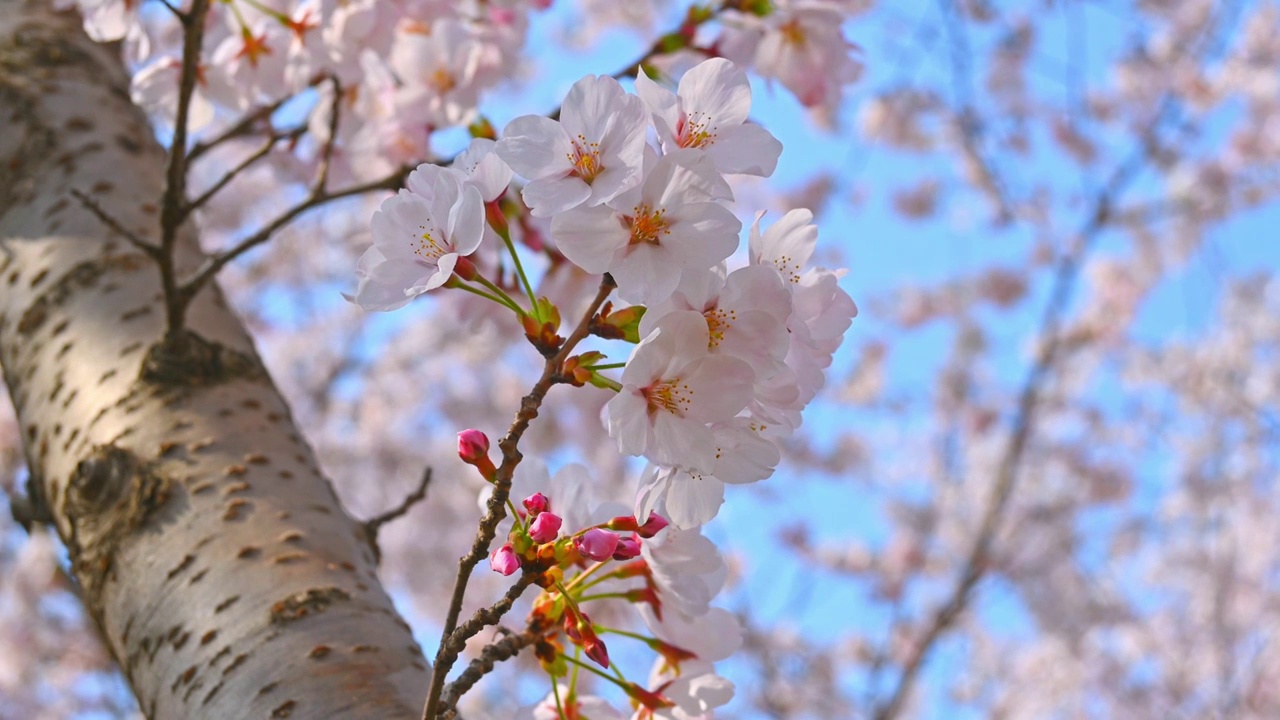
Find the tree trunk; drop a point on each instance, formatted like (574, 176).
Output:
(226, 578)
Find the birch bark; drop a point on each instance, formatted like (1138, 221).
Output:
(226, 578)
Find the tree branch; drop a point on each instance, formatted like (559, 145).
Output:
(93, 207)
(173, 202)
(317, 198)
(494, 653)
(243, 165)
(242, 127)
(496, 508)
(375, 523)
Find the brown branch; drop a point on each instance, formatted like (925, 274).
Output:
(290, 135)
(317, 198)
(375, 523)
(243, 126)
(114, 225)
(1065, 276)
(485, 617)
(173, 201)
(496, 509)
(494, 653)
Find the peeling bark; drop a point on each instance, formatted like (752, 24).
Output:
(226, 577)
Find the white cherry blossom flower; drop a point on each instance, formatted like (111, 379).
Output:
(645, 239)
(592, 155)
(696, 691)
(484, 168)
(687, 569)
(746, 314)
(690, 497)
(672, 388)
(821, 312)
(442, 66)
(418, 236)
(708, 112)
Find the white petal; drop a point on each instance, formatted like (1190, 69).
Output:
(693, 499)
(747, 149)
(627, 418)
(719, 90)
(466, 221)
(589, 237)
(550, 196)
(535, 146)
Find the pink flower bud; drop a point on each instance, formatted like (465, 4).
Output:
(472, 445)
(596, 650)
(596, 544)
(544, 527)
(652, 526)
(473, 448)
(537, 503)
(628, 547)
(504, 560)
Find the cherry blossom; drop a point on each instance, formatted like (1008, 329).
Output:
(418, 236)
(709, 112)
(646, 239)
(672, 389)
(590, 156)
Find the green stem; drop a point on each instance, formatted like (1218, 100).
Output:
(626, 633)
(607, 366)
(515, 516)
(503, 301)
(578, 663)
(524, 279)
(499, 291)
(602, 596)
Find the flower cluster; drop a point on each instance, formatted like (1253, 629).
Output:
(725, 360)
(728, 360)
(408, 69)
(585, 556)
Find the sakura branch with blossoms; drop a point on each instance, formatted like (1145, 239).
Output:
(723, 364)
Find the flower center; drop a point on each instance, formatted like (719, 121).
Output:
(695, 131)
(442, 81)
(647, 225)
(585, 159)
(427, 247)
(790, 270)
(671, 395)
(718, 322)
(792, 32)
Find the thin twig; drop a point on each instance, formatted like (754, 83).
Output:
(485, 617)
(291, 135)
(977, 562)
(214, 263)
(494, 653)
(496, 508)
(173, 202)
(326, 153)
(375, 523)
(242, 127)
(114, 225)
